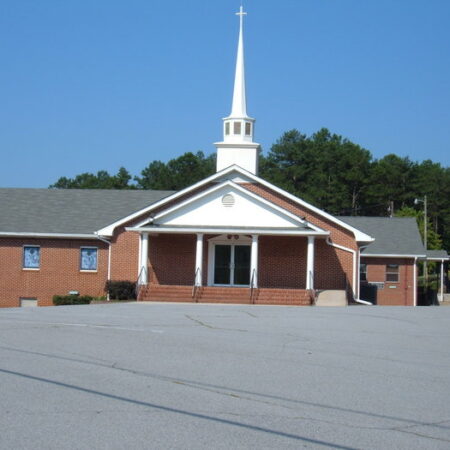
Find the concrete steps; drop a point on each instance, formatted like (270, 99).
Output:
(331, 298)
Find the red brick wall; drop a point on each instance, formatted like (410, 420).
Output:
(172, 259)
(282, 262)
(332, 266)
(401, 293)
(58, 274)
(124, 255)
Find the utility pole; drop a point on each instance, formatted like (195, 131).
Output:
(425, 235)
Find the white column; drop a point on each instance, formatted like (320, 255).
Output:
(254, 261)
(199, 260)
(442, 281)
(143, 267)
(310, 264)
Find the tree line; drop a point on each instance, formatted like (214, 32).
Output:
(325, 169)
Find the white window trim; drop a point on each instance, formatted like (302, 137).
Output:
(397, 273)
(88, 270)
(31, 269)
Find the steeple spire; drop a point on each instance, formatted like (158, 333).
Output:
(238, 146)
(239, 108)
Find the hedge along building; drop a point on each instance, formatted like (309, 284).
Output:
(232, 237)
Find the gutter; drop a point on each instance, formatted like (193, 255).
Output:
(108, 277)
(353, 252)
(46, 235)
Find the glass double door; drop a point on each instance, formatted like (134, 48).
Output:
(232, 265)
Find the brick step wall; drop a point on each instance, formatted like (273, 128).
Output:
(213, 294)
(282, 297)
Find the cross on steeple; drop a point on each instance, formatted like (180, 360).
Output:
(241, 12)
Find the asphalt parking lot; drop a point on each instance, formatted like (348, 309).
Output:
(177, 376)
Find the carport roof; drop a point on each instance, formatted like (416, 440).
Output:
(393, 235)
(69, 211)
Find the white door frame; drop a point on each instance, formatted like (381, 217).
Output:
(224, 240)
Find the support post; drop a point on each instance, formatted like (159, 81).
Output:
(442, 280)
(143, 268)
(310, 263)
(199, 260)
(254, 261)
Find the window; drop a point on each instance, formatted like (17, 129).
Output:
(31, 257)
(392, 273)
(88, 258)
(227, 128)
(248, 129)
(363, 272)
(237, 128)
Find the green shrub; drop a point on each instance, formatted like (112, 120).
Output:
(59, 300)
(121, 290)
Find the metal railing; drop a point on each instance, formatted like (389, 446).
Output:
(313, 292)
(196, 285)
(139, 284)
(252, 285)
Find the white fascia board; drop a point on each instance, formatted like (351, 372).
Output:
(381, 255)
(109, 230)
(47, 235)
(206, 230)
(244, 191)
(441, 259)
(359, 235)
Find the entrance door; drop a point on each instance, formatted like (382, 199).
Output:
(232, 265)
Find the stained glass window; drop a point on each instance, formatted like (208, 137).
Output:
(31, 257)
(88, 258)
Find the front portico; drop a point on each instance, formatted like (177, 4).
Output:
(197, 261)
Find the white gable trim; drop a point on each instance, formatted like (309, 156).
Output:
(109, 230)
(359, 235)
(227, 230)
(238, 188)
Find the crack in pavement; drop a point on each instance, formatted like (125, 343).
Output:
(204, 324)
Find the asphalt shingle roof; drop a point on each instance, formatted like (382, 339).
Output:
(69, 211)
(393, 235)
(437, 254)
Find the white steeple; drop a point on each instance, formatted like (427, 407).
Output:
(239, 108)
(237, 146)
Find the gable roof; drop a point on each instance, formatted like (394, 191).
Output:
(231, 172)
(396, 236)
(68, 211)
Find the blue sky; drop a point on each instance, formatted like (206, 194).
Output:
(87, 85)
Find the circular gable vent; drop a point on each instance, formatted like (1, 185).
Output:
(228, 200)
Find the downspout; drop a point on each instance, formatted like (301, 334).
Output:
(415, 282)
(353, 252)
(363, 247)
(108, 277)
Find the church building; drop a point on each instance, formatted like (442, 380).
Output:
(231, 238)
